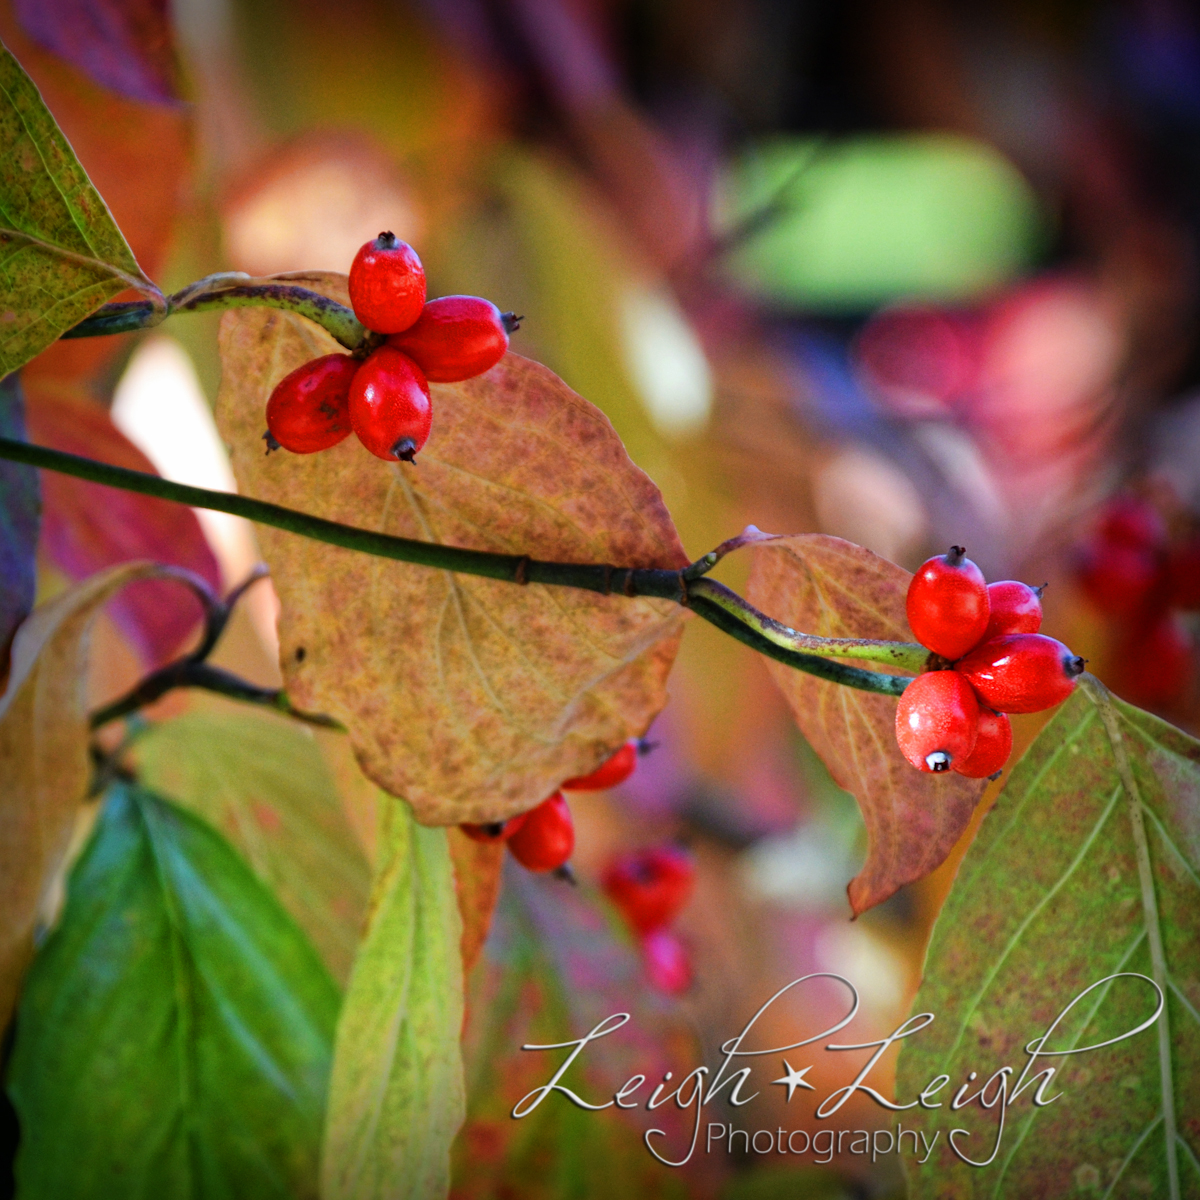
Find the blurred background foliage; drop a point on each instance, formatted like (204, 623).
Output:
(904, 271)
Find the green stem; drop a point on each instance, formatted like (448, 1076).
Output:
(711, 601)
(229, 290)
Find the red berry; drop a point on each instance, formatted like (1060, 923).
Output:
(1183, 572)
(495, 831)
(390, 408)
(1014, 608)
(650, 886)
(948, 604)
(1153, 666)
(309, 409)
(668, 966)
(387, 284)
(993, 745)
(1119, 578)
(609, 773)
(1021, 672)
(456, 337)
(1131, 521)
(936, 720)
(545, 841)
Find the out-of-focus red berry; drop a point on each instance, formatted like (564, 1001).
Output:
(668, 965)
(1118, 578)
(1153, 665)
(947, 604)
(650, 887)
(545, 840)
(609, 773)
(1014, 608)
(1021, 672)
(993, 745)
(1131, 521)
(1183, 574)
(936, 720)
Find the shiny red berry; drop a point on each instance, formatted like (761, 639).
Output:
(667, 962)
(993, 745)
(936, 720)
(948, 604)
(309, 409)
(545, 841)
(1013, 608)
(609, 773)
(390, 408)
(387, 284)
(495, 831)
(1021, 672)
(650, 887)
(456, 337)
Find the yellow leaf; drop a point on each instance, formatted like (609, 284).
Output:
(44, 758)
(471, 698)
(833, 588)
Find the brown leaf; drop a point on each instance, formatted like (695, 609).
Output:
(833, 588)
(44, 759)
(87, 527)
(471, 698)
(477, 870)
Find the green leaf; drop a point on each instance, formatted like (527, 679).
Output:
(262, 781)
(1088, 866)
(849, 225)
(61, 253)
(396, 1093)
(175, 1033)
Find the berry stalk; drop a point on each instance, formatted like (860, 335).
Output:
(711, 601)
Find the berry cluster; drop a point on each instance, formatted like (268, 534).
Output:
(650, 888)
(384, 399)
(995, 662)
(542, 838)
(1141, 580)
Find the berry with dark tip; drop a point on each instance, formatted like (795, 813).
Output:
(309, 410)
(993, 745)
(947, 604)
(1014, 607)
(1021, 672)
(609, 773)
(390, 408)
(456, 338)
(936, 720)
(387, 284)
(545, 841)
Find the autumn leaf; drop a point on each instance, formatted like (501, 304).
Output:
(832, 588)
(396, 1091)
(61, 253)
(470, 698)
(477, 872)
(126, 45)
(44, 759)
(20, 513)
(262, 782)
(87, 527)
(175, 1035)
(1087, 868)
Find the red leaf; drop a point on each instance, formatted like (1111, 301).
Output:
(833, 588)
(86, 526)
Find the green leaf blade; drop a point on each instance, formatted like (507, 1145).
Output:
(396, 1097)
(61, 253)
(1050, 901)
(175, 1030)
